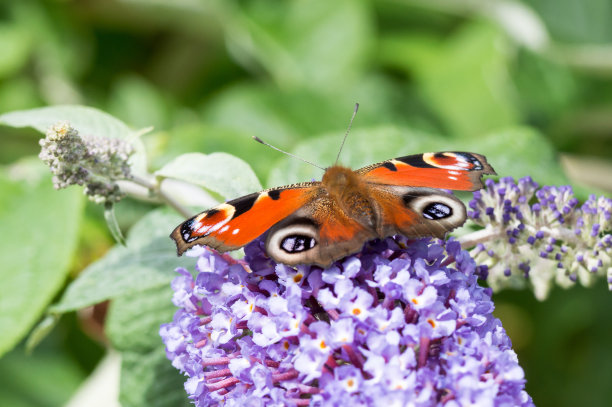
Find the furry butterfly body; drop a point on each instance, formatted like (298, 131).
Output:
(320, 222)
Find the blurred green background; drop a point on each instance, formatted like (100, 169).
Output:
(527, 83)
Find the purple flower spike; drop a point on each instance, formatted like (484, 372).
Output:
(403, 322)
(563, 241)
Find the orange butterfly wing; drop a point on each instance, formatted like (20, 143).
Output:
(319, 233)
(235, 223)
(445, 170)
(417, 212)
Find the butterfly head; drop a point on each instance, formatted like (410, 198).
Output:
(338, 178)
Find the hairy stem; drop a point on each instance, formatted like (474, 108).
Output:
(159, 192)
(480, 236)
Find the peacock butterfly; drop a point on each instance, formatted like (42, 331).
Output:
(320, 222)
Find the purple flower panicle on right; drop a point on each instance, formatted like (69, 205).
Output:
(400, 323)
(541, 235)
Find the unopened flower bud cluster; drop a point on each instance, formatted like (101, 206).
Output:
(93, 162)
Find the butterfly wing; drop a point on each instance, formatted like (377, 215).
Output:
(446, 170)
(318, 233)
(321, 232)
(235, 223)
(417, 212)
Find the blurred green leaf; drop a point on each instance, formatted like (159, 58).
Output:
(15, 47)
(576, 21)
(222, 173)
(575, 323)
(133, 320)
(464, 79)
(137, 102)
(87, 120)
(40, 231)
(546, 89)
(281, 116)
(44, 379)
(254, 110)
(321, 44)
(148, 261)
(60, 49)
(149, 379)
(18, 93)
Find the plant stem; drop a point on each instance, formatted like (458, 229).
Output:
(480, 236)
(156, 190)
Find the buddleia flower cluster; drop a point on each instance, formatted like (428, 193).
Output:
(401, 323)
(541, 235)
(93, 162)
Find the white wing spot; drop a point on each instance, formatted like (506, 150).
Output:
(224, 228)
(235, 231)
(453, 178)
(217, 226)
(200, 228)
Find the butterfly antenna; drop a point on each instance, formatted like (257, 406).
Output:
(257, 139)
(347, 132)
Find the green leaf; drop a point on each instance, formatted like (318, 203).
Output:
(87, 120)
(18, 93)
(546, 89)
(148, 261)
(138, 103)
(222, 173)
(465, 79)
(47, 379)
(253, 110)
(15, 44)
(575, 22)
(40, 233)
(320, 44)
(280, 116)
(149, 379)
(133, 320)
